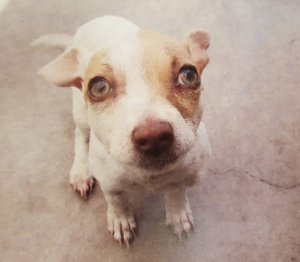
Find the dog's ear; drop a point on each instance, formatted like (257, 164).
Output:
(197, 42)
(66, 69)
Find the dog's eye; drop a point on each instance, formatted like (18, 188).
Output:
(98, 87)
(188, 77)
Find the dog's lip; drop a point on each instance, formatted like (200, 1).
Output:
(168, 166)
(156, 163)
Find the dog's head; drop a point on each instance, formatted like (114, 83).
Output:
(142, 94)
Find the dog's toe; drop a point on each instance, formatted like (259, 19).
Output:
(122, 229)
(182, 222)
(83, 186)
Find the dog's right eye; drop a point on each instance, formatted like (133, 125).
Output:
(98, 87)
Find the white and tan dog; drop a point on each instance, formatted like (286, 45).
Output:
(137, 110)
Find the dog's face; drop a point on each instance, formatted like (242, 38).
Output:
(142, 95)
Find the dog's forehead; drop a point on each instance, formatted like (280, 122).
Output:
(159, 49)
(141, 52)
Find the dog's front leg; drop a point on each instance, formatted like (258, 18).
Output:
(120, 219)
(80, 176)
(178, 210)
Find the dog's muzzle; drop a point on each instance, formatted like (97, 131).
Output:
(153, 141)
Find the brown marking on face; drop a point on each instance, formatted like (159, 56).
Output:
(99, 67)
(162, 60)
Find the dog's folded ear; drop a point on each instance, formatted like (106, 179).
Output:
(66, 69)
(197, 42)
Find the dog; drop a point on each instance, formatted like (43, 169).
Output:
(137, 110)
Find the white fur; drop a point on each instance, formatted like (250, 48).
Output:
(103, 146)
(104, 32)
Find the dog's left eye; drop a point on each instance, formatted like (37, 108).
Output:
(188, 77)
(98, 87)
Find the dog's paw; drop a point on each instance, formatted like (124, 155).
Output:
(122, 228)
(83, 185)
(181, 220)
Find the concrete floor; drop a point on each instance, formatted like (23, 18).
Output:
(247, 209)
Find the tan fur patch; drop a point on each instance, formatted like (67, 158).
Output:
(99, 66)
(162, 60)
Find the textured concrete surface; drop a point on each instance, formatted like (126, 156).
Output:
(247, 209)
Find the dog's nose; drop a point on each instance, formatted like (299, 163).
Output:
(153, 137)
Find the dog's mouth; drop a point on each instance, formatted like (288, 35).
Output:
(156, 161)
(161, 160)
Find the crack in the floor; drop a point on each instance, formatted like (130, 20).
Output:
(238, 172)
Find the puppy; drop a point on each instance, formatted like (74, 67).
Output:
(137, 110)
